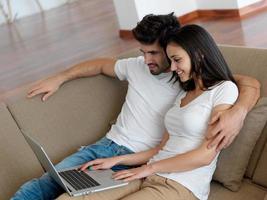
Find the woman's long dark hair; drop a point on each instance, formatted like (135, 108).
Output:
(207, 61)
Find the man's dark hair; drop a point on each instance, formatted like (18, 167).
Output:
(152, 28)
(207, 62)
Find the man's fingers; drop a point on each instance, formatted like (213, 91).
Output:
(214, 126)
(222, 144)
(231, 139)
(98, 166)
(90, 163)
(45, 97)
(214, 118)
(32, 92)
(215, 141)
(83, 167)
(213, 131)
(38, 91)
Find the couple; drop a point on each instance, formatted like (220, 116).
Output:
(181, 96)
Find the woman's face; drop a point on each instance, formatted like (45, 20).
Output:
(180, 61)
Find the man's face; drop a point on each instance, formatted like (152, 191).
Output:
(155, 58)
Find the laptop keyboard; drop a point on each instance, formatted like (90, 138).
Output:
(78, 179)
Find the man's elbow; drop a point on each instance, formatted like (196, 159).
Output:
(253, 82)
(247, 80)
(257, 84)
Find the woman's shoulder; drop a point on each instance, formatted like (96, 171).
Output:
(224, 85)
(225, 92)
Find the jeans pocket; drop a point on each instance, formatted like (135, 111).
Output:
(122, 150)
(104, 142)
(82, 148)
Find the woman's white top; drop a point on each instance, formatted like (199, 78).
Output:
(187, 127)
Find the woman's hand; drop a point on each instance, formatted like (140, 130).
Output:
(135, 173)
(102, 163)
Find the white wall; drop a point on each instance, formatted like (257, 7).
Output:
(128, 17)
(129, 12)
(126, 13)
(184, 7)
(216, 4)
(28, 7)
(164, 6)
(226, 4)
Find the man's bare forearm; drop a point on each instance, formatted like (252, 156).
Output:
(89, 68)
(50, 85)
(249, 92)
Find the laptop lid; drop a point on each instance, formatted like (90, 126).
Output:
(102, 177)
(44, 160)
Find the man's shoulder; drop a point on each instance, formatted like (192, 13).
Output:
(135, 60)
(133, 63)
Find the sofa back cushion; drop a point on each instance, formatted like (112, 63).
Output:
(260, 174)
(252, 62)
(77, 115)
(247, 61)
(233, 161)
(18, 163)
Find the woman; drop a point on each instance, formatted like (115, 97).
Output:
(181, 167)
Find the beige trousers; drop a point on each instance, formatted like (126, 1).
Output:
(153, 187)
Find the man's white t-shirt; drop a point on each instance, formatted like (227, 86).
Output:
(140, 125)
(187, 127)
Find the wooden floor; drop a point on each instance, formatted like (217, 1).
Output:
(43, 44)
(250, 31)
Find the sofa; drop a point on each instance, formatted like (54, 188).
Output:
(82, 111)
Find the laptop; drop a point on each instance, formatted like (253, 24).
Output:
(73, 181)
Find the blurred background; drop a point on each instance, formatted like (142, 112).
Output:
(41, 37)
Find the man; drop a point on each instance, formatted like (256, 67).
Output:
(150, 94)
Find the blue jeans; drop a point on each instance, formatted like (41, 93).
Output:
(46, 188)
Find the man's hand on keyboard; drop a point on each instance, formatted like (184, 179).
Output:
(102, 163)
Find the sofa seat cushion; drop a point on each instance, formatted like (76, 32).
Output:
(248, 191)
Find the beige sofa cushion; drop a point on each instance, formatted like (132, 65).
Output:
(233, 161)
(256, 154)
(247, 61)
(260, 175)
(248, 191)
(18, 163)
(77, 115)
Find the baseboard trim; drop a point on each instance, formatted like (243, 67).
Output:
(126, 34)
(242, 12)
(254, 8)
